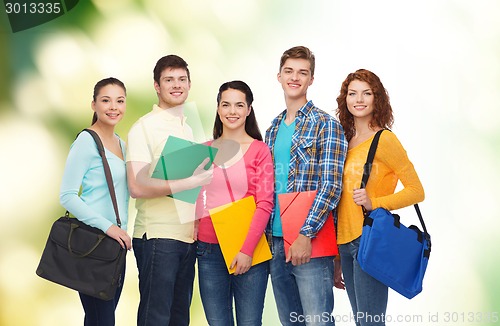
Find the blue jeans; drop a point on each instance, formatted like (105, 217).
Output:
(368, 296)
(218, 288)
(166, 276)
(98, 311)
(303, 294)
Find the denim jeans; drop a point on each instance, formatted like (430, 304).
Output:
(166, 276)
(304, 293)
(368, 296)
(98, 311)
(218, 288)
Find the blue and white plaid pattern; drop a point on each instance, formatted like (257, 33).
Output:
(317, 158)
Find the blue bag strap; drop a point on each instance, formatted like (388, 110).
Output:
(366, 174)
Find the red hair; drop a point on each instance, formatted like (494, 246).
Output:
(382, 113)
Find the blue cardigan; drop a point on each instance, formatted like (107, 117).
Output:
(84, 171)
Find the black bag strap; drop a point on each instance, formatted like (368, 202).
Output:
(367, 168)
(107, 173)
(366, 174)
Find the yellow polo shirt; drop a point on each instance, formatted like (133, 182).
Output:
(159, 217)
(390, 164)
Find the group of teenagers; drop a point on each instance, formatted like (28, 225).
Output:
(304, 149)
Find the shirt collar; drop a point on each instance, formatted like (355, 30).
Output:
(306, 108)
(166, 113)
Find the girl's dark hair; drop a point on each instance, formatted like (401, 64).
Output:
(382, 113)
(100, 84)
(251, 126)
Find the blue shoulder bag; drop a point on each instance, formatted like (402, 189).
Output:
(392, 253)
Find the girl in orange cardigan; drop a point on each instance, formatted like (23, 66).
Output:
(363, 109)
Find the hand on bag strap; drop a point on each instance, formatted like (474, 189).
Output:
(366, 174)
(367, 168)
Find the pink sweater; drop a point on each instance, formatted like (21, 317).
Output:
(251, 176)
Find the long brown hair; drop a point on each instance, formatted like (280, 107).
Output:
(100, 84)
(382, 113)
(251, 126)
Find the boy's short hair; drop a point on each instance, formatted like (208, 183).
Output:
(299, 52)
(169, 61)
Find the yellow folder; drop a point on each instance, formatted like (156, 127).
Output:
(231, 223)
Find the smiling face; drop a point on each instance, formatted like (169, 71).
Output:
(173, 88)
(295, 77)
(109, 104)
(233, 109)
(360, 100)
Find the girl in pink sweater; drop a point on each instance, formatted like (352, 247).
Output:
(243, 168)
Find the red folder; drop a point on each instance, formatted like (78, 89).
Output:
(294, 208)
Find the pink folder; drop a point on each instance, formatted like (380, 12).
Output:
(294, 208)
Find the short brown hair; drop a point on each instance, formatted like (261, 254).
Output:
(299, 52)
(169, 61)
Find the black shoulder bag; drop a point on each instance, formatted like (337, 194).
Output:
(82, 257)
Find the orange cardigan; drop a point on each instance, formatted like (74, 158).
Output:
(390, 164)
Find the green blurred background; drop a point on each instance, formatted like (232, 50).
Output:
(439, 60)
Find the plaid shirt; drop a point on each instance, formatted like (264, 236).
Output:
(317, 160)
